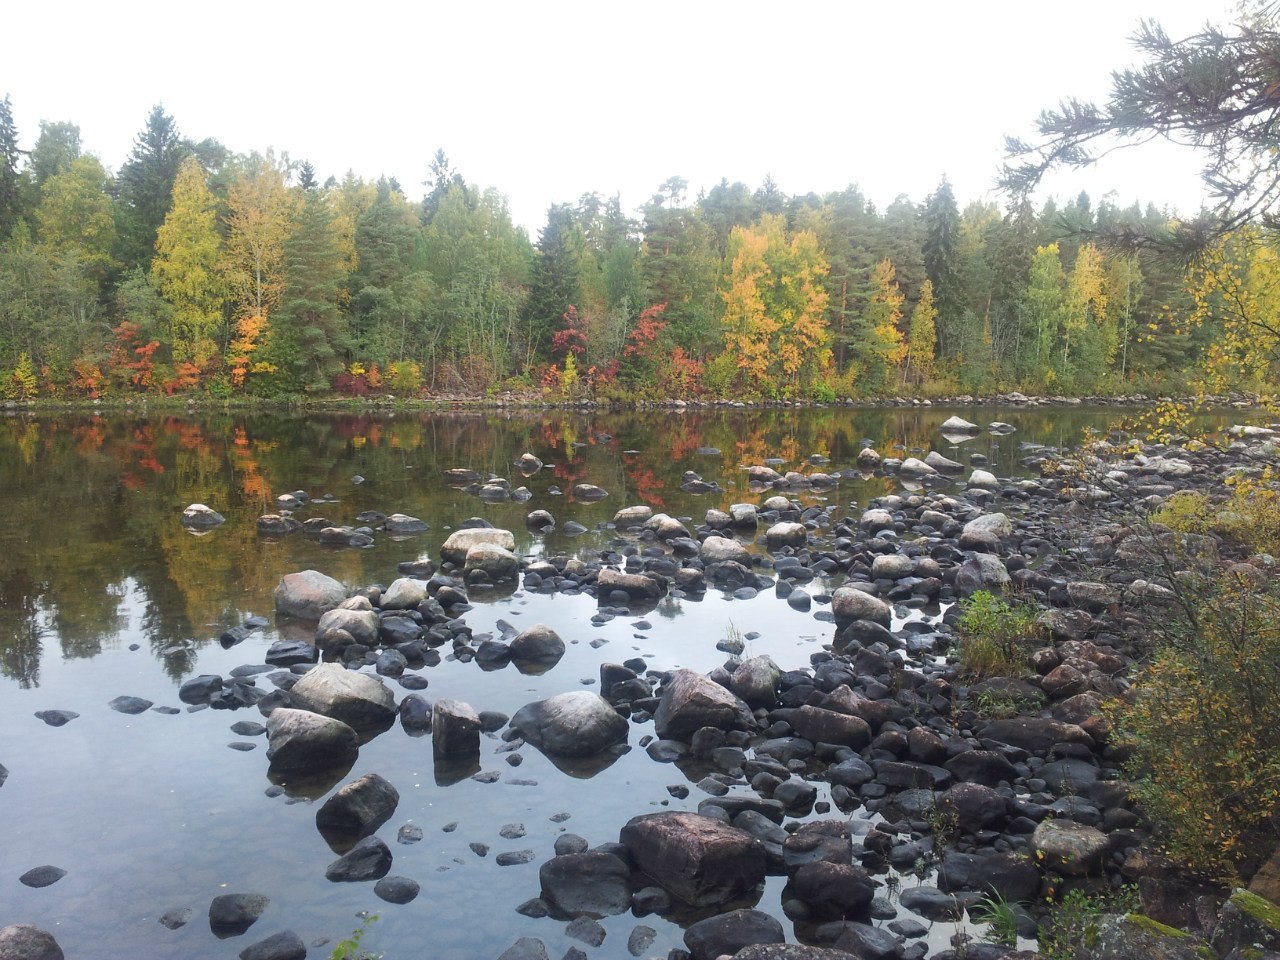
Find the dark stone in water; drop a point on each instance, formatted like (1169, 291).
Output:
(526, 948)
(42, 876)
(176, 917)
(247, 728)
(56, 718)
(370, 859)
(285, 945)
(242, 745)
(285, 653)
(4, 774)
(396, 889)
(200, 689)
(409, 833)
(513, 857)
(167, 711)
(233, 635)
(130, 705)
(231, 914)
(587, 930)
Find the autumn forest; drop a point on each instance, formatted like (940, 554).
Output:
(197, 271)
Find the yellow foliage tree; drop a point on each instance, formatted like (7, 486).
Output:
(260, 221)
(774, 323)
(922, 335)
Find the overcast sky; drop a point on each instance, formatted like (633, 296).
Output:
(547, 101)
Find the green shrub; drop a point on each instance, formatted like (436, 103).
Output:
(1205, 723)
(1074, 922)
(995, 638)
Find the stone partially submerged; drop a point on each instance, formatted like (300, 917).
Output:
(301, 741)
(698, 859)
(356, 699)
(691, 701)
(577, 724)
(308, 595)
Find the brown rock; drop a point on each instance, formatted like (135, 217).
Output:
(697, 859)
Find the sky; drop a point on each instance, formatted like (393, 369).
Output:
(548, 101)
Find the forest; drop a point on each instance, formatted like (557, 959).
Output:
(197, 271)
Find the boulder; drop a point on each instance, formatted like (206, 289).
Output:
(356, 699)
(973, 807)
(827, 726)
(528, 464)
(635, 585)
(285, 945)
(959, 425)
(1069, 848)
(360, 625)
(358, 808)
(399, 524)
(892, 566)
(577, 724)
(308, 595)
(22, 941)
(722, 549)
(941, 463)
(537, 644)
(274, 525)
(698, 859)
(755, 681)
(629, 517)
(403, 594)
(588, 492)
(743, 515)
(299, 740)
(983, 480)
(1012, 877)
(370, 859)
(982, 571)
(497, 563)
(665, 527)
(1247, 921)
(786, 534)
(691, 701)
(832, 891)
(849, 604)
(231, 914)
(726, 934)
(986, 532)
(593, 883)
(455, 729)
(200, 517)
(1133, 936)
(914, 469)
(454, 550)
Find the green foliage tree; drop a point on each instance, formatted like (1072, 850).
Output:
(10, 177)
(553, 287)
(922, 335)
(76, 215)
(57, 147)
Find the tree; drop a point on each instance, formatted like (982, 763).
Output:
(880, 344)
(146, 185)
(941, 238)
(922, 335)
(554, 283)
(10, 192)
(1213, 91)
(76, 214)
(311, 336)
(258, 222)
(57, 147)
(1042, 313)
(1088, 340)
(775, 327)
(188, 253)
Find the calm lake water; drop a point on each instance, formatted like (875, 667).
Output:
(103, 593)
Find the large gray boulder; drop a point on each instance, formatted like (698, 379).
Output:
(755, 681)
(455, 549)
(986, 532)
(403, 594)
(537, 644)
(455, 729)
(726, 934)
(497, 562)
(360, 625)
(1069, 848)
(354, 698)
(635, 585)
(629, 517)
(849, 604)
(721, 549)
(698, 859)
(786, 533)
(399, 524)
(308, 595)
(982, 571)
(1132, 936)
(370, 859)
(957, 425)
(592, 883)
(22, 941)
(577, 724)
(691, 701)
(299, 740)
(200, 517)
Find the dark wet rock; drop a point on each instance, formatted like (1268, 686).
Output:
(130, 705)
(827, 726)
(308, 595)
(755, 681)
(455, 729)
(248, 728)
(577, 724)
(1069, 848)
(396, 889)
(1034, 734)
(285, 945)
(931, 903)
(832, 891)
(1014, 878)
(22, 941)
(274, 525)
(698, 859)
(594, 882)
(358, 808)
(390, 663)
(728, 933)
(357, 699)
(691, 701)
(1246, 922)
(4, 774)
(982, 766)
(589, 492)
(42, 876)
(526, 948)
(200, 689)
(370, 859)
(789, 951)
(540, 520)
(231, 914)
(538, 644)
(285, 653)
(409, 833)
(860, 939)
(302, 741)
(973, 806)
(176, 917)
(415, 715)
(640, 939)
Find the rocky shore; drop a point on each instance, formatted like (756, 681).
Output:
(873, 760)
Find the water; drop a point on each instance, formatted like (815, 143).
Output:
(103, 593)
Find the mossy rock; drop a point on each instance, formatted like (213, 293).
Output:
(1247, 920)
(1134, 936)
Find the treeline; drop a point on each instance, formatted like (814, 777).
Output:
(193, 268)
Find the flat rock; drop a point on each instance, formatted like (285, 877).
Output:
(370, 859)
(357, 699)
(577, 724)
(42, 876)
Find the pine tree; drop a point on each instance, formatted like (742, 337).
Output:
(10, 183)
(146, 185)
(554, 287)
(311, 336)
(922, 335)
